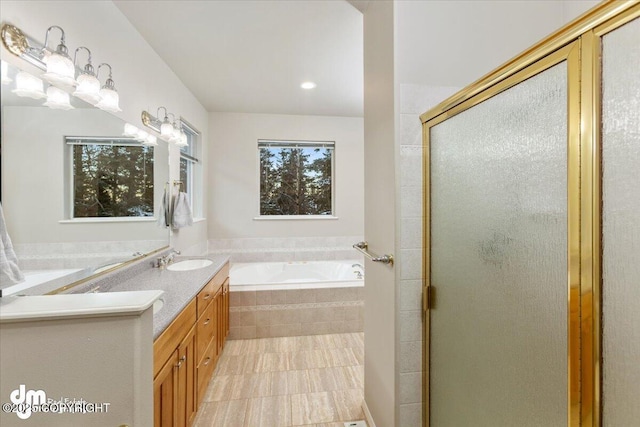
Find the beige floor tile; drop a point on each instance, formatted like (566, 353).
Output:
(287, 381)
(307, 359)
(269, 412)
(219, 389)
(313, 408)
(348, 404)
(267, 362)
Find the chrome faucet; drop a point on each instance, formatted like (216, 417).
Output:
(358, 273)
(163, 261)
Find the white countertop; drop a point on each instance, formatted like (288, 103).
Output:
(64, 306)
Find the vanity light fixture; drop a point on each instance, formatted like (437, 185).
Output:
(57, 99)
(5, 74)
(145, 138)
(170, 130)
(29, 85)
(308, 85)
(88, 88)
(109, 96)
(60, 68)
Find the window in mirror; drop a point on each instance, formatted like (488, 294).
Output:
(188, 167)
(296, 178)
(111, 178)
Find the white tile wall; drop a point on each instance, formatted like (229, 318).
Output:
(414, 100)
(287, 249)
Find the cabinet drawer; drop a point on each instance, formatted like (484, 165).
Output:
(211, 288)
(205, 370)
(206, 330)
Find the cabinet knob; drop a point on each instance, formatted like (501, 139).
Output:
(206, 322)
(181, 361)
(207, 296)
(206, 361)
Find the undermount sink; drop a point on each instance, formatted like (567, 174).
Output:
(157, 305)
(190, 264)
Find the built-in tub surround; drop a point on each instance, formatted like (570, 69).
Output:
(295, 298)
(269, 249)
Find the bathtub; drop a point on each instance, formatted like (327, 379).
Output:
(258, 276)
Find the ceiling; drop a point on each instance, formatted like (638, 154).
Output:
(252, 56)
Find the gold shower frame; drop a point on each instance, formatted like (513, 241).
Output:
(579, 43)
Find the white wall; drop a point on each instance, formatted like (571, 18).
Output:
(380, 212)
(142, 79)
(233, 183)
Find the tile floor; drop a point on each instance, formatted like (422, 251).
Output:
(290, 381)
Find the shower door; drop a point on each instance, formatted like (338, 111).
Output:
(532, 235)
(620, 50)
(502, 228)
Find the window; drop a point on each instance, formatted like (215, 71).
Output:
(188, 167)
(296, 178)
(112, 177)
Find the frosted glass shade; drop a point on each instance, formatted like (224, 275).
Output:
(142, 136)
(166, 130)
(60, 70)
(150, 140)
(109, 100)
(29, 86)
(88, 89)
(57, 99)
(182, 140)
(130, 130)
(5, 74)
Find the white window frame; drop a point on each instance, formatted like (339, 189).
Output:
(298, 144)
(194, 172)
(71, 141)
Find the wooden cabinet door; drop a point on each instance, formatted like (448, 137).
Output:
(219, 304)
(186, 368)
(165, 394)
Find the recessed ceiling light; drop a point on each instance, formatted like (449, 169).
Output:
(308, 85)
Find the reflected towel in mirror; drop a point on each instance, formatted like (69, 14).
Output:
(8, 259)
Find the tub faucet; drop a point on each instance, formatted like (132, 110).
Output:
(357, 265)
(358, 272)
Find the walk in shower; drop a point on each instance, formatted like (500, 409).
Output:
(532, 235)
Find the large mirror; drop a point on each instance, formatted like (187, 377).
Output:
(79, 198)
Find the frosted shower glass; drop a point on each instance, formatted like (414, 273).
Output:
(621, 225)
(499, 249)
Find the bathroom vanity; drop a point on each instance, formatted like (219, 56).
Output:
(186, 352)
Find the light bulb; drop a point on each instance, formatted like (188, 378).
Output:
(57, 99)
(29, 86)
(88, 89)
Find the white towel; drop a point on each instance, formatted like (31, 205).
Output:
(164, 214)
(8, 259)
(182, 216)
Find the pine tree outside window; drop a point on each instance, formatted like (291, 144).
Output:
(111, 178)
(296, 178)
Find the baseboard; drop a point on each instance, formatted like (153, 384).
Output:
(367, 415)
